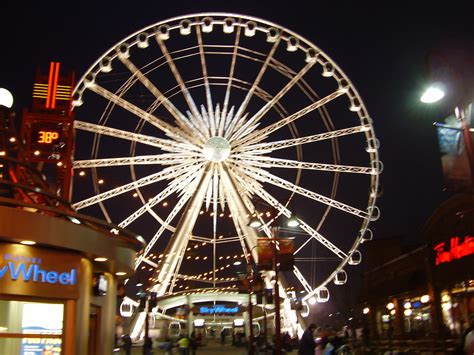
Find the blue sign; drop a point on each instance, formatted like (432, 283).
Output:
(218, 309)
(27, 270)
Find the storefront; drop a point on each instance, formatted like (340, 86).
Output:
(58, 281)
(427, 291)
(450, 235)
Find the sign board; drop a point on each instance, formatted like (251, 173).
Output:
(285, 250)
(456, 250)
(32, 271)
(216, 309)
(454, 151)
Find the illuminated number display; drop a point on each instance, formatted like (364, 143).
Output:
(47, 137)
(43, 135)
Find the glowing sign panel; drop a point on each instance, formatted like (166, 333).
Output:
(218, 309)
(47, 137)
(456, 250)
(44, 135)
(38, 272)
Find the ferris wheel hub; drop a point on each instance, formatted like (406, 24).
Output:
(216, 149)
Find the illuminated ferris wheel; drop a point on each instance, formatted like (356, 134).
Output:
(191, 127)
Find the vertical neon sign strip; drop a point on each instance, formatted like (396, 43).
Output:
(55, 85)
(50, 82)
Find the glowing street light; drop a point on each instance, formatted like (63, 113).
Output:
(292, 222)
(433, 94)
(425, 299)
(255, 223)
(6, 98)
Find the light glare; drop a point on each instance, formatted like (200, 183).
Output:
(6, 98)
(431, 95)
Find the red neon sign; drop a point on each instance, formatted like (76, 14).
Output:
(456, 250)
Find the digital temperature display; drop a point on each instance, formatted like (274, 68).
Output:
(47, 137)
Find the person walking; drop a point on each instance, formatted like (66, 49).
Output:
(183, 345)
(127, 344)
(223, 334)
(307, 343)
(195, 342)
(466, 344)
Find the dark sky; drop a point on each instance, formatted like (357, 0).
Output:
(385, 49)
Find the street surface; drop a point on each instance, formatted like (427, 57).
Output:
(213, 346)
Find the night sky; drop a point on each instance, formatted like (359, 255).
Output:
(387, 50)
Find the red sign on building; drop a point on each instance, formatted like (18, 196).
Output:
(456, 250)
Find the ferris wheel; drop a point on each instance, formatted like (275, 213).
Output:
(191, 127)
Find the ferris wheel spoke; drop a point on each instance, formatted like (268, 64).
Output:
(272, 201)
(178, 207)
(210, 106)
(316, 235)
(265, 176)
(184, 90)
(178, 116)
(263, 68)
(267, 147)
(180, 238)
(302, 279)
(167, 173)
(147, 206)
(269, 162)
(176, 185)
(169, 130)
(164, 144)
(229, 81)
(240, 133)
(160, 159)
(235, 124)
(312, 233)
(261, 134)
(238, 209)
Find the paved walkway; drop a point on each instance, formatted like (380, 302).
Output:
(213, 346)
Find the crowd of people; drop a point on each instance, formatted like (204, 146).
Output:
(186, 345)
(323, 341)
(314, 341)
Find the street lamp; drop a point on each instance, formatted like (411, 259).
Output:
(276, 292)
(432, 94)
(459, 90)
(6, 98)
(274, 246)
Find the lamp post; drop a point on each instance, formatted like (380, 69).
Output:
(437, 91)
(276, 292)
(148, 301)
(251, 337)
(460, 113)
(275, 262)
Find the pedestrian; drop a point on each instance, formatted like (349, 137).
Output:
(223, 334)
(127, 344)
(148, 346)
(183, 345)
(286, 342)
(307, 343)
(167, 346)
(466, 343)
(366, 337)
(195, 342)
